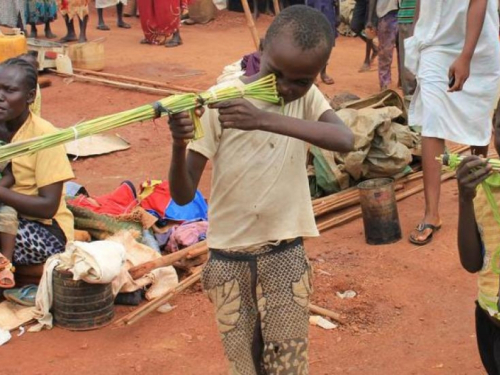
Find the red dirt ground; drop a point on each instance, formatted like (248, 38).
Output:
(414, 309)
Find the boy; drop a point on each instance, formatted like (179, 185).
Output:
(258, 276)
(455, 55)
(478, 244)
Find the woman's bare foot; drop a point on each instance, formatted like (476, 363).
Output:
(327, 80)
(50, 35)
(68, 38)
(364, 68)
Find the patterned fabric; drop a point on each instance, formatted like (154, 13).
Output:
(159, 19)
(406, 11)
(11, 11)
(35, 243)
(72, 8)
(41, 11)
(387, 34)
(261, 301)
(103, 226)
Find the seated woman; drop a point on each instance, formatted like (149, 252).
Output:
(33, 184)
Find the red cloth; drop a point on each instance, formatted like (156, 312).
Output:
(158, 200)
(159, 18)
(119, 202)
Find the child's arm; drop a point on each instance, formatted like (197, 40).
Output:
(43, 206)
(185, 171)
(7, 179)
(460, 69)
(471, 172)
(329, 132)
(372, 6)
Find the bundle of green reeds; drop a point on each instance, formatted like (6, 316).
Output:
(263, 89)
(452, 161)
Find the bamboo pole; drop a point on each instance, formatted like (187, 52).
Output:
(119, 85)
(276, 5)
(167, 260)
(153, 84)
(251, 24)
(324, 312)
(153, 305)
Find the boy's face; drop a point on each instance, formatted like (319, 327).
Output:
(295, 70)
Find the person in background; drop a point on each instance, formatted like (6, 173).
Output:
(406, 15)
(101, 4)
(455, 55)
(358, 25)
(478, 244)
(69, 9)
(387, 31)
(331, 11)
(12, 13)
(41, 12)
(160, 19)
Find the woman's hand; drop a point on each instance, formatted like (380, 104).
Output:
(239, 114)
(470, 173)
(459, 73)
(182, 127)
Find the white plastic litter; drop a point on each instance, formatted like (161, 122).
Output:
(348, 294)
(165, 308)
(319, 321)
(4, 336)
(21, 331)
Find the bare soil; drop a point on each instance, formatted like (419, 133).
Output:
(414, 313)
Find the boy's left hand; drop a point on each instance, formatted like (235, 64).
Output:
(239, 114)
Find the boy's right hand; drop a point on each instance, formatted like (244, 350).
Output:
(182, 127)
(470, 173)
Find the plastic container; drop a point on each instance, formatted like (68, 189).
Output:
(12, 45)
(63, 64)
(88, 56)
(380, 211)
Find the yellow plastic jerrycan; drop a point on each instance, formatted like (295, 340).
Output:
(12, 45)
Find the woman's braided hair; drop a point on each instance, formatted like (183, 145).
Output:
(30, 72)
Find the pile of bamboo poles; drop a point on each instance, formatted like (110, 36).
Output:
(334, 204)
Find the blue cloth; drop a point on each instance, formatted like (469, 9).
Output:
(196, 210)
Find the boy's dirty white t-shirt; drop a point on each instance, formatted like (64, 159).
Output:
(260, 190)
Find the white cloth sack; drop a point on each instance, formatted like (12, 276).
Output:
(94, 262)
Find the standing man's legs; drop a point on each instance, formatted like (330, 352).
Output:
(431, 149)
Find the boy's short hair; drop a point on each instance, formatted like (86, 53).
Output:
(308, 27)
